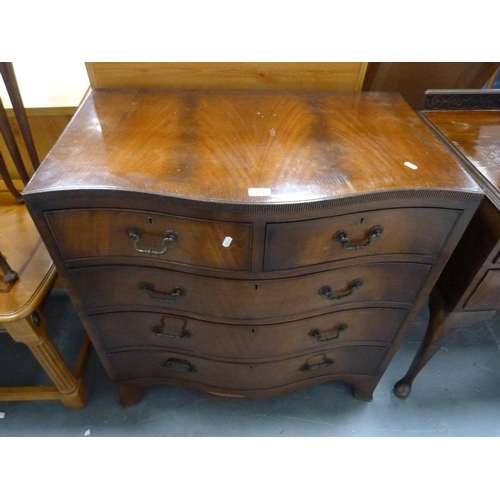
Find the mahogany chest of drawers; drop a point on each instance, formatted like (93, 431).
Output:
(245, 243)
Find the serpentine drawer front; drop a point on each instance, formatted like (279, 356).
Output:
(122, 330)
(242, 377)
(380, 232)
(129, 233)
(131, 287)
(248, 243)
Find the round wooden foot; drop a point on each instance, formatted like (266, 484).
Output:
(129, 394)
(402, 389)
(363, 393)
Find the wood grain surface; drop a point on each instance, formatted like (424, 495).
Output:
(234, 75)
(243, 377)
(119, 287)
(216, 146)
(475, 134)
(134, 330)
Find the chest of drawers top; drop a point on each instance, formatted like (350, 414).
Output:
(245, 150)
(475, 136)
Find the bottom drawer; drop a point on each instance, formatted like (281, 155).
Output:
(487, 294)
(172, 367)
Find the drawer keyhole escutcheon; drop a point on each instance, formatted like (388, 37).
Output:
(327, 291)
(318, 335)
(148, 288)
(135, 234)
(342, 237)
(158, 330)
(171, 363)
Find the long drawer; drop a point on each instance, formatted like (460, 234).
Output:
(130, 233)
(130, 286)
(415, 231)
(169, 365)
(487, 294)
(135, 329)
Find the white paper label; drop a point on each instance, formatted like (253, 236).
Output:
(227, 241)
(259, 192)
(410, 165)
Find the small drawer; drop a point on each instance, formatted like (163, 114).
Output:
(128, 233)
(127, 287)
(135, 329)
(170, 366)
(415, 231)
(487, 294)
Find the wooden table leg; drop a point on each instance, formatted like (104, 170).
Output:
(443, 325)
(31, 331)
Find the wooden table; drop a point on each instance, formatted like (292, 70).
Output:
(248, 243)
(21, 307)
(468, 291)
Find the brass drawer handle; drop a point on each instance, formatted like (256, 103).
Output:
(135, 234)
(342, 237)
(308, 367)
(327, 291)
(148, 288)
(158, 330)
(317, 333)
(171, 362)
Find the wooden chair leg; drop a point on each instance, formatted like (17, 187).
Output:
(31, 331)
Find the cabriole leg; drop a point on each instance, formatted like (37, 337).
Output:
(443, 325)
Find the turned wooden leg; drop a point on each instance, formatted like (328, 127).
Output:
(31, 331)
(129, 394)
(443, 325)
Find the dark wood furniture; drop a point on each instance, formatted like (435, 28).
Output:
(412, 79)
(248, 243)
(468, 291)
